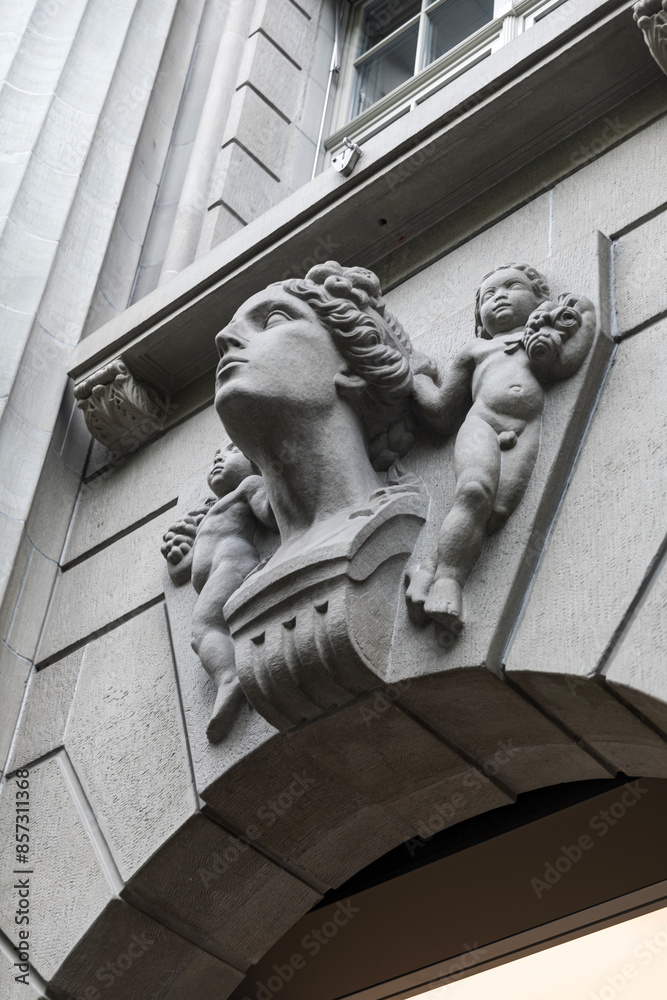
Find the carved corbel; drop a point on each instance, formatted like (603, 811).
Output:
(121, 411)
(651, 17)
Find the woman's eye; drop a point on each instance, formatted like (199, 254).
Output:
(274, 318)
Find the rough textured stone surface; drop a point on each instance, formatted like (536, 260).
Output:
(505, 734)
(48, 701)
(285, 24)
(611, 523)
(9, 988)
(157, 961)
(640, 259)
(333, 797)
(236, 899)
(68, 886)
(132, 489)
(125, 738)
(637, 666)
(596, 197)
(14, 673)
(105, 588)
(266, 69)
(35, 592)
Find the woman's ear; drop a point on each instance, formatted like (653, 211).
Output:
(349, 385)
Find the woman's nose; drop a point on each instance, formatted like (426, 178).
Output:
(228, 338)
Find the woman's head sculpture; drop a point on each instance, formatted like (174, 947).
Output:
(375, 348)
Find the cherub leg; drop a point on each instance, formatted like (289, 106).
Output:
(477, 465)
(215, 648)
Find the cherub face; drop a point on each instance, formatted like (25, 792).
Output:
(506, 300)
(230, 467)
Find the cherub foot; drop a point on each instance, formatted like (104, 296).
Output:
(418, 582)
(228, 701)
(445, 606)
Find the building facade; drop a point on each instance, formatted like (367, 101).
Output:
(165, 162)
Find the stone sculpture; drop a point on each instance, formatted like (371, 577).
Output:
(651, 17)
(314, 387)
(215, 546)
(494, 388)
(121, 411)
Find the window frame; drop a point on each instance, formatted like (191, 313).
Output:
(510, 19)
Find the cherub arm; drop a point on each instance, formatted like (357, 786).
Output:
(557, 341)
(178, 541)
(444, 404)
(255, 492)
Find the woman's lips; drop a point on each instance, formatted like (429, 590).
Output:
(228, 363)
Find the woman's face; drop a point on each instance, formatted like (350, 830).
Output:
(275, 352)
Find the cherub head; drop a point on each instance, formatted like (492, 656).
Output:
(506, 298)
(230, 467)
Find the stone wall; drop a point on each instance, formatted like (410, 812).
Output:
(564, 664)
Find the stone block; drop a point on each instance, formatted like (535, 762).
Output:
(14, 331)
(33, 601)
(131, 490)
(640, 261)
(141, 959)
(23, 450)
(125, 738)
(120, 267)
(47, 703)
(230, 895)
(267, 70)
(286, 25)
(43, 201)
(595, 197)
(219, 224)
(68, 886)
(242, 184)
(310, 117)
(10, 989)
(12, 533)
(610, 525)
(22, 116)
(334, 795)
(36, 397)
(136, 206)
(506, 735)
(65, 138)
(25, 262)
(85, 80)
(17, 573)
(105, 588)
(636, 669)
(13, 167)
(168, 194)
(258, 129)
(303, 158)
(14, 672)
(67, 298)
(86, 235)
(51, 509)
(152, 146)
(144, 45)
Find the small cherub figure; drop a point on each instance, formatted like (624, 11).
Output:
(497, 384)
(218, 540)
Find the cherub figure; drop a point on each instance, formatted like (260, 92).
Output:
(217, 541)
(496, 386)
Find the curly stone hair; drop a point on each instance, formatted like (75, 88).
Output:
(537, 280)
(375, 347)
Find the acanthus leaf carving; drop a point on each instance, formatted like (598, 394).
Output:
(121, 411)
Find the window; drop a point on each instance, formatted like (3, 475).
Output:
(399, 38)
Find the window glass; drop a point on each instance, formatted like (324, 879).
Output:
(391, 66)
(383, 17)
(454, 21)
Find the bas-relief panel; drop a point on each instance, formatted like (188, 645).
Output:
(360, 516)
